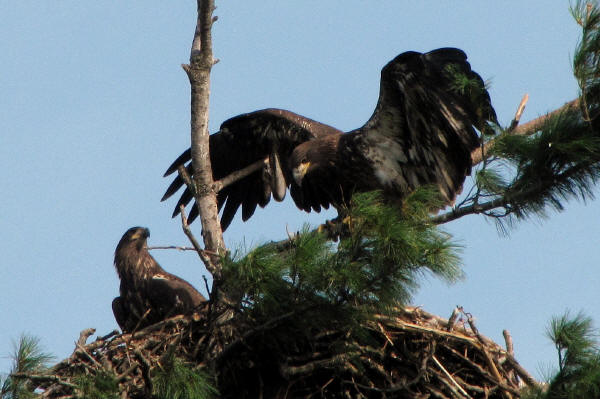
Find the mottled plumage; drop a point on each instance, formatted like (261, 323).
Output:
(422, 132)
(147, 286)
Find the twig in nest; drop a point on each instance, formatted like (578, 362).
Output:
(447, 374)
(528, 378)
(452, 319)
(43, 378)
(84, 335)
(509, 342)
(486, 354)
(81, 349)
(145, 365)
(139, 323)
(107, 336)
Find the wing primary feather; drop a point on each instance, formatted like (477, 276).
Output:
(184, 200)
(181, 160)
(173, 188)
(278, 184)
(193, 213)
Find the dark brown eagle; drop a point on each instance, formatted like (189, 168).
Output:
(149, 294)
(422, 132)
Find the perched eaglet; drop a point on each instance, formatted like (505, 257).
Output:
(149, 294)
(422, 132)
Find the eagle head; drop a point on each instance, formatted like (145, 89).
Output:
(312, 155)
(134, 237)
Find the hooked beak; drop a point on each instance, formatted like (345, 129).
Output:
(299, 172)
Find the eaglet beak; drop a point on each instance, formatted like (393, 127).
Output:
(299, 171)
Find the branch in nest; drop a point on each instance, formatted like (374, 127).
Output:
(84, 335)
(43, 378)
(449, 376)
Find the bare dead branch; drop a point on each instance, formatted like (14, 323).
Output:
(172, 247)
(239, 174)
(84, 335)
(188, 232)
(519, 113)
(509, 342)
(527, 378)
(198, 71)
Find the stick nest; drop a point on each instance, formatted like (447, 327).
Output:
(408, 354)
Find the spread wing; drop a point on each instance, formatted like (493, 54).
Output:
(241, 141)
(424, 126)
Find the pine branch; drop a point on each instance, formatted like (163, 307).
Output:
(510, 201)
(479, 154)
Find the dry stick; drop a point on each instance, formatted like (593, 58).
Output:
(188, 232)
(528, 378)
(172, 247)
(81, 349)
(84, 335)
(239, 174)
(107, 336)
(43, 378)
(483, 372)
(519, 113)
(452, 319)
(460, 388)
(184, 222)
(509, 342)
(486, 354)
(510, 350)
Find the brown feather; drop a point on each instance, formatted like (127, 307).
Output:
(422, 132)
(148, 294)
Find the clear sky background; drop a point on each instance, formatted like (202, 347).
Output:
(94, 106)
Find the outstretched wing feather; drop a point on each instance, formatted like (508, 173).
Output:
(241, 141)
(424, 126)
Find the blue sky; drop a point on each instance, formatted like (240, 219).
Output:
(95, 106)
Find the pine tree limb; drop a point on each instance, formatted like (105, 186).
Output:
(528, 128)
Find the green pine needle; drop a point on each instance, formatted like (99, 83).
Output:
(28, 358)
(578, 374)
(99, 386)
(176, 380)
